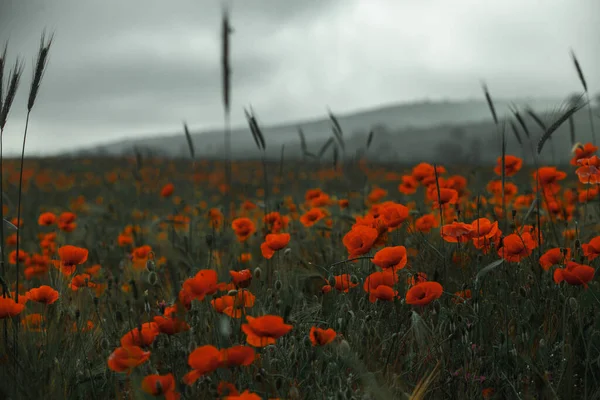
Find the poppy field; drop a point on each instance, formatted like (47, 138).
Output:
(363, 281)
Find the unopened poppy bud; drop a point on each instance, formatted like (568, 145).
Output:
(573, 303)
(257, 272)
(577, 244)
(152, 278)
(294, 394)
(150, 265)
(278, 383)
(343, 347)
(232, 292)
(522, 292)
(287, 252)
(278, 285)
(77, 314)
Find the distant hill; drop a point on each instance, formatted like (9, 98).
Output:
(434, 131)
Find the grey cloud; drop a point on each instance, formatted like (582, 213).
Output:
(141, 66)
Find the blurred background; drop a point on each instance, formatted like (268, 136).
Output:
(125, 75)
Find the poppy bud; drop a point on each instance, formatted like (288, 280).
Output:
(278, 285)
(294, 394)
(119, 316)
(278, 383)
(573, 303)
(150, 265)
(104, 344)
(522, 292)
(232, 292)
(96, 300)
(287, 252)
(77, 314)
(514, 213)
(152, 278)
(209, 240)
(343, 348)
(257, 272)
(577, 244)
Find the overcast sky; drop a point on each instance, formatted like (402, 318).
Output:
(137, 67)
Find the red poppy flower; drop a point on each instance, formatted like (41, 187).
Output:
(125, 359)
(237, 356)
(360, 240)
(203, 360)
(167, 190)
(424, 293)
(391, 257)
(583, 151)
(8, 307)
(512, 165)
(71, 257)
(161, 385)
(274, 242)
(591, 250)
(425, 223)
(555, 256)
(202, 284)
(321, 337)
(148, 333)
(312, 216)
(265, 330)
(241, 279)
(46, 219)
(515, 248)
(574, 274)
(43, 294)
(243, 228)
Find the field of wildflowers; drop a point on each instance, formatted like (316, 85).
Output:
(139, 278)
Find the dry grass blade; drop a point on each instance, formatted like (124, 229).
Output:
(485, 270)
(40, 69)
(302, 141)
(328, 143)
(370, 139)
(503, 177)
(281, 158)
(490, 103)
(337, 130)
(516, 132)
(335, 157)
(571, 110)
(259, 139)
(2, 63)
(190, 143)
(225, 65)
(579, 71)
(538, 120)
(138, 158)
(423, 386)
(521, 121)
(14, 78)
(572, 131)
